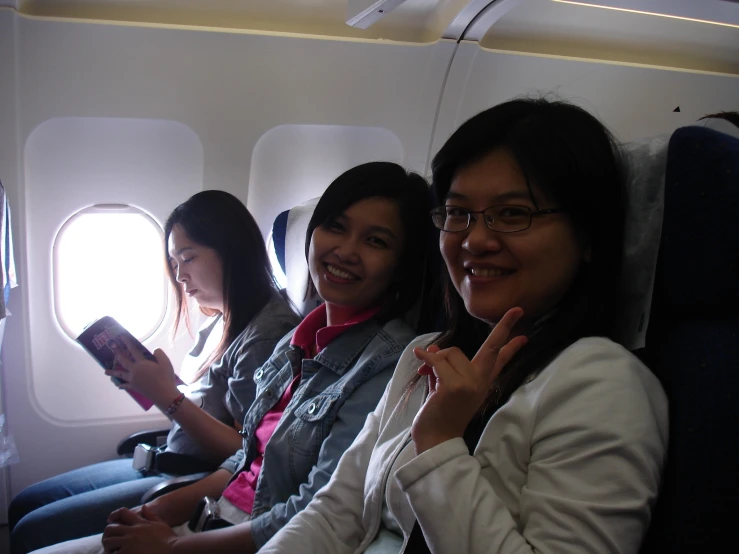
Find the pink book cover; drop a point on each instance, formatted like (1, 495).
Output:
(97, 338)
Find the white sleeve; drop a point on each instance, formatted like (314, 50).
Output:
(332, 521)
(597, 447)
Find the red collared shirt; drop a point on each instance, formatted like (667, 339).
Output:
(313, 334)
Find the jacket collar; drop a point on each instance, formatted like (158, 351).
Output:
(346, 348)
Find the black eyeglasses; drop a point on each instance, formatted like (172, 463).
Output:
(503, 219)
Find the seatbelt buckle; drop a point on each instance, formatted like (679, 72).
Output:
(207, 516)
(144, 457)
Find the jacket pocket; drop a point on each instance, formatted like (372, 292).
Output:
(312, 423)
(316, 408)
(265, 374)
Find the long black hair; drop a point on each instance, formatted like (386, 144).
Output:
(410, 192)
(574, 160)
(219, 220)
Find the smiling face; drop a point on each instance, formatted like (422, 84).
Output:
(197, 268)
(493, 271)
(353, 257)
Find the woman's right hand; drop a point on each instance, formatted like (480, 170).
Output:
(459, 386)
(154, 379)
(159, 510)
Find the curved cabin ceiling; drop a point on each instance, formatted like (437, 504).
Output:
(412, 21)
(543, 27)
(555, 28)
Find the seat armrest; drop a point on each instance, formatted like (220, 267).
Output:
(172, 485)
(126, 446)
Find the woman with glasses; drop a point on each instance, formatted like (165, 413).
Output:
(522, 427)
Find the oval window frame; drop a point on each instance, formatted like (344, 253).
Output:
(103, 209)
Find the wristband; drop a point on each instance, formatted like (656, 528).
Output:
(174, 406)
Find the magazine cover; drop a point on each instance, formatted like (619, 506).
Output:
(97, 339)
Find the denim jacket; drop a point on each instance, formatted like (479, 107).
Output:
(226, 390)
(338, 388)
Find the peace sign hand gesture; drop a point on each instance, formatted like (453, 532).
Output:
(458, 386)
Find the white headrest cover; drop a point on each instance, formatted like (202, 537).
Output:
(296, 266)
(642, 233)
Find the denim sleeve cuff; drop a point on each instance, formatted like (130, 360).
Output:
(232, 463)
(260, 530)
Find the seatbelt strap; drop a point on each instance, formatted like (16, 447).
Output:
(180, 464)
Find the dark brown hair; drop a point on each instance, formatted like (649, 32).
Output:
(410, 192)
(218, 220)
(731, 117)
(573, 158)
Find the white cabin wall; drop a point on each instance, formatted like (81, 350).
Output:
(71, 163)
(634, 101)
(229, 89)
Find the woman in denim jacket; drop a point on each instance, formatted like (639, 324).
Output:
(365, 247)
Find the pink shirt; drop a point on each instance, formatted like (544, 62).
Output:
(312, 336)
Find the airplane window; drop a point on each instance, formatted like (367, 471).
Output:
(108, 260)
(317, 154)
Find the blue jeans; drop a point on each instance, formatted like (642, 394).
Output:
(74, 504)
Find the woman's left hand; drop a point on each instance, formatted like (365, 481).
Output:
(154, 379)
(142, 533)
(459, 386)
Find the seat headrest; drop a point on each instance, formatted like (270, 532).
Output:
(288, 237)
(700, 238)
(643, 226)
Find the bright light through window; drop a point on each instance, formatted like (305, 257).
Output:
(108, 260)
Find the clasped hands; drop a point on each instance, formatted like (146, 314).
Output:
(138, 531)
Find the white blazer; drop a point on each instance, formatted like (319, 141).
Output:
(570, 464)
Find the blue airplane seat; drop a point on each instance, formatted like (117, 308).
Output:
(693, 343)
(279, 229)
(288, 238)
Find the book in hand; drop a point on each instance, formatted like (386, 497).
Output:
(97, 339)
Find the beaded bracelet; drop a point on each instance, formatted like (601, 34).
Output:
(175, 404)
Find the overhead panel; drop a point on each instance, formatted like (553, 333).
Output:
(719, 12)
(477, 17)
(419, 21)
(363, 13)
(636, 97)
(546, 27)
